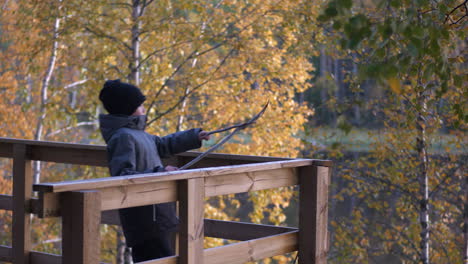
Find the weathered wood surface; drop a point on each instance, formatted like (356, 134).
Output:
(6, 202)
(6, 254)
(259, 173)
(220, 229)
(22, 193)
(44, 258)
(81, 219)
(313, 214)
(243, 252)
(252, 250)
(242, 231)
(159, 189)
(95, 155)
(191, 194)
(167, 176)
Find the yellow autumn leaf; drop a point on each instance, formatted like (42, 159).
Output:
(395, 85)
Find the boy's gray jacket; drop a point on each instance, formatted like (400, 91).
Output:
(130, 151)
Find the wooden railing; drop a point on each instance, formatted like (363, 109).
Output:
(83, 205)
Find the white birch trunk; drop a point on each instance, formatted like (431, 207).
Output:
(136, 31)
(44, 94)
(421, 148)
(465, 227)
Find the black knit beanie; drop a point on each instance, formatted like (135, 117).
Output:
(120, 98)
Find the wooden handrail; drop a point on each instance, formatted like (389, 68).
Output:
(118, 181)
(81, 204)
(95, 155)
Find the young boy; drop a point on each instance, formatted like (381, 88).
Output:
(147, 229)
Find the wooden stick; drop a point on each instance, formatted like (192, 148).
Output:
(224, 140)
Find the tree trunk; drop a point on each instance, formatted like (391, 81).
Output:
(465, 227)
(44, 93)
(421, 148)
(137, 9)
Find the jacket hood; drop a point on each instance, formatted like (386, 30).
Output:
(111, 123)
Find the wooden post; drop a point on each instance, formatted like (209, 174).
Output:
(191, 194)
(313, 214)
(22, 192)
(81, 217)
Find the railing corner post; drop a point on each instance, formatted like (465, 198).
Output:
(314, 181)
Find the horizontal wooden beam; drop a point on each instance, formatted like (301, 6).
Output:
(93, 184)
(250, 181)
(242, 231)
(143, 191)
(110, 217)
(6, 202)
(219, 229)
(42, 257)
(6, 254)
(95, 155)
(242, 252)
(166, 260)
(252, 250)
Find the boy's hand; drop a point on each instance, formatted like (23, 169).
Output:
(171, 168)
(203, 135)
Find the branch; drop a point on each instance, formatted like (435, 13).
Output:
(71, 85)
(448, 16)
(189, 93)
(101, 34)
(71, 127)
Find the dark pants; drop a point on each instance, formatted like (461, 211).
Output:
(159, 247)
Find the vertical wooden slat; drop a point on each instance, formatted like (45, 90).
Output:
(313, 214)
(22, 192)
(191, 206)
(81, 216)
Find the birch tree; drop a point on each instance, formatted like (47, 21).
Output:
(414, 49)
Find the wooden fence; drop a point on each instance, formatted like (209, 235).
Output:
(85, 204)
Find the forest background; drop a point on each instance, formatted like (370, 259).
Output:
(378, 86)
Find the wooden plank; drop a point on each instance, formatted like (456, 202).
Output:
(165, 176)
(243, 252)
(22, 193)
(81, 218)
(84, 156)
(313, 214)
(250, 181)
(49, 204)
(138, 195)
(191, 195)
(144, 192)
(110, 217)
(252, 250)
(166, 260)
(42, 258)
(6, 254)
(241, 231)
(6, 150)
(41, 147)
(6, 202)
(322, 163)
(46, 258)
(27, 142)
